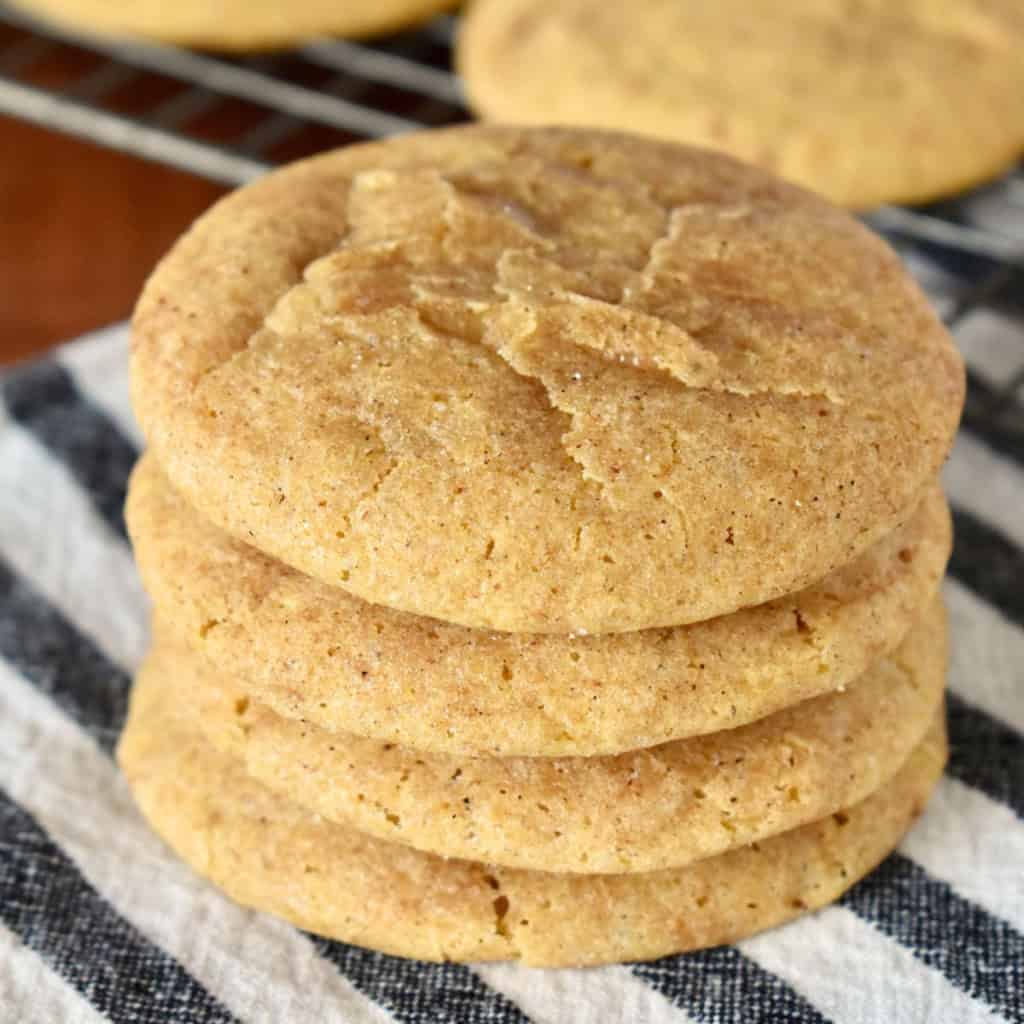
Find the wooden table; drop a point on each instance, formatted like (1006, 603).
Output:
(80, 228)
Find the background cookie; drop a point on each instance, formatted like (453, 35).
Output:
(236, 24)
(268, 854)
(314, 652)
(661, 807)
(543, 380)
(884, 101)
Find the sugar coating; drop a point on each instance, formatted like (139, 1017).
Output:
(648, 809)
(269, 854)
(543, 380)
(314, 652)
(868, 102)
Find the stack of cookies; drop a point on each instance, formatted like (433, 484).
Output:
(544, 539)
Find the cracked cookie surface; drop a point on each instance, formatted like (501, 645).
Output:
(866, 101)
(543, 380)
(269, 854)
(315, 652)
(660, 807)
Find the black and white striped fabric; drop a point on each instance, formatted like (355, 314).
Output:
(98, 921)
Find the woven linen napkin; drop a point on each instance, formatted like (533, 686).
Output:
(98, 921)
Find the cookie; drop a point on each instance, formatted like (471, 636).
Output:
(314, 652)
(543, 380)
(866, 103)
(235, 24)
(660, 807)
(269, 854)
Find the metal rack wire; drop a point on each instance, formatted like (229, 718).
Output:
(230, 119)
(345, 91)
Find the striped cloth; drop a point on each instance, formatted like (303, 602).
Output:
(98, 921)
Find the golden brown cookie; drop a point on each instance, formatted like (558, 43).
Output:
(268, 854)
(649, 809)
(235, 24)
(868, 102)
(314, 652)
(543, 380)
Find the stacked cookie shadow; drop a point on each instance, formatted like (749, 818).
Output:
(548, 569)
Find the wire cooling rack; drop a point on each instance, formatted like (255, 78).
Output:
(230, 119)
(226, 119)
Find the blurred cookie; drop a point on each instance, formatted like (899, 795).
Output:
(271, 855)
(315, 652)
(543, 380)
(866, 101)
(235, 24)
(661, 807)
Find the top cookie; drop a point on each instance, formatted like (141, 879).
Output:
(236, 24)
(544, 380)
(868, 102)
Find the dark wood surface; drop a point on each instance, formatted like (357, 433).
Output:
(80, 228)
